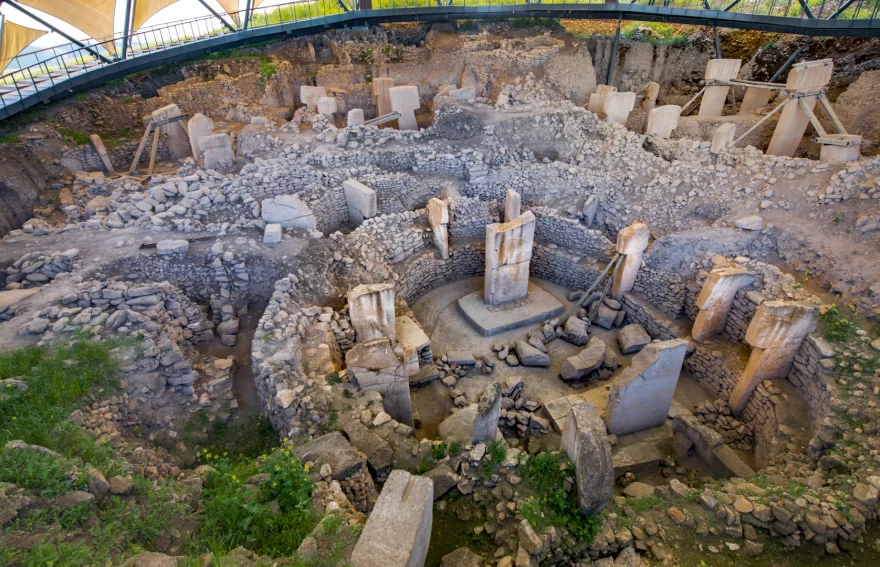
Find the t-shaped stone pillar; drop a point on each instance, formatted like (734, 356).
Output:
(632, 242)
(715, 96)
(775, 333)
(371, 308)
(405, 100)
(175, 132)
(512, 205)
(715, 300)
(198, 127)
(723, 137)
(384, 367)
(355, 117)
(508, 256)
(597, 99)
(311, 95)
(381, 97)
(327, 106)
(662, 120)
(438, 218)
(361, 201)
(811, 76)
(618, 106)
(651, 94)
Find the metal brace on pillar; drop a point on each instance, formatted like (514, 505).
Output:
(216, 15)
(790, 61)
(43, 22)
(717, 42)
(612, 64)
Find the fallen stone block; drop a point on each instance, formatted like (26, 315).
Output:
(398, 531)
(632, 338)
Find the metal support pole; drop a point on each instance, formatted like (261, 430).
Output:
(247, 15)
(791, 60)
(577, 305)
(717, 42)
(126, 26)
(216, 15)
(612, 64)
(43, 22)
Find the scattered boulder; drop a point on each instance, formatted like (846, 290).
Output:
(632, 338)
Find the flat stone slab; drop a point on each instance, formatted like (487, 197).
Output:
(11, 297)
(637, 458)
(426, 374)
(490, 320)
(460, 357)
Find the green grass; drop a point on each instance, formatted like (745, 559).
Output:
(72, 136)
(9, 139)
(33, 470)
(835, 327)
(660, 33)
(646, 503)
(244, 436)
(546, 502)
(230, 515)
(59, 379)
(496, 452)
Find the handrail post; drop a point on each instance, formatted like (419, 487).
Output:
(247, 15)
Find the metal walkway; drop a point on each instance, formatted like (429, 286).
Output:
(97, 63)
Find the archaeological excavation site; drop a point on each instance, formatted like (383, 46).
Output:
(439, 287)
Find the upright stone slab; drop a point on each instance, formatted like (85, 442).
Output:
(596, 104)
(405, 100)
(662, 120)
(642, 395)
(632, 242)
(651, 94)
(488, 412)
(217, 150)
(398, 530)
(723, 137)
(754, 99)
(508, 256)
(361, 201)
(715, 300)
(355, 117)
(586, 443)
(810, 76)
(714, 97)
(371, 308)
(289, 211)
(98, 144)
(438, 218)
(379, 366)
(618, 106)
(327, 106)
(775, 334)
(175, 132)
(381, 96)
(198, 127)
(310, 96)
(512, 205)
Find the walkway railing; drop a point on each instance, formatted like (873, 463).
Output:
(58, 74)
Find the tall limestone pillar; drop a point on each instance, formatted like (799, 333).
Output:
(508, 256)
(512, 205)
(371, 308)
(632, 242)
(438, 218)
(810, 76)
(715, 300)
(715, 96)
(775, 334)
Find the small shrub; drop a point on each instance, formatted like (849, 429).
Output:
(454, 449)
(548, 504)
(334, 378)
(72, 136)
(267, 68)
(496, 452)
(439, 451)
(835, 327)
(272, 520)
